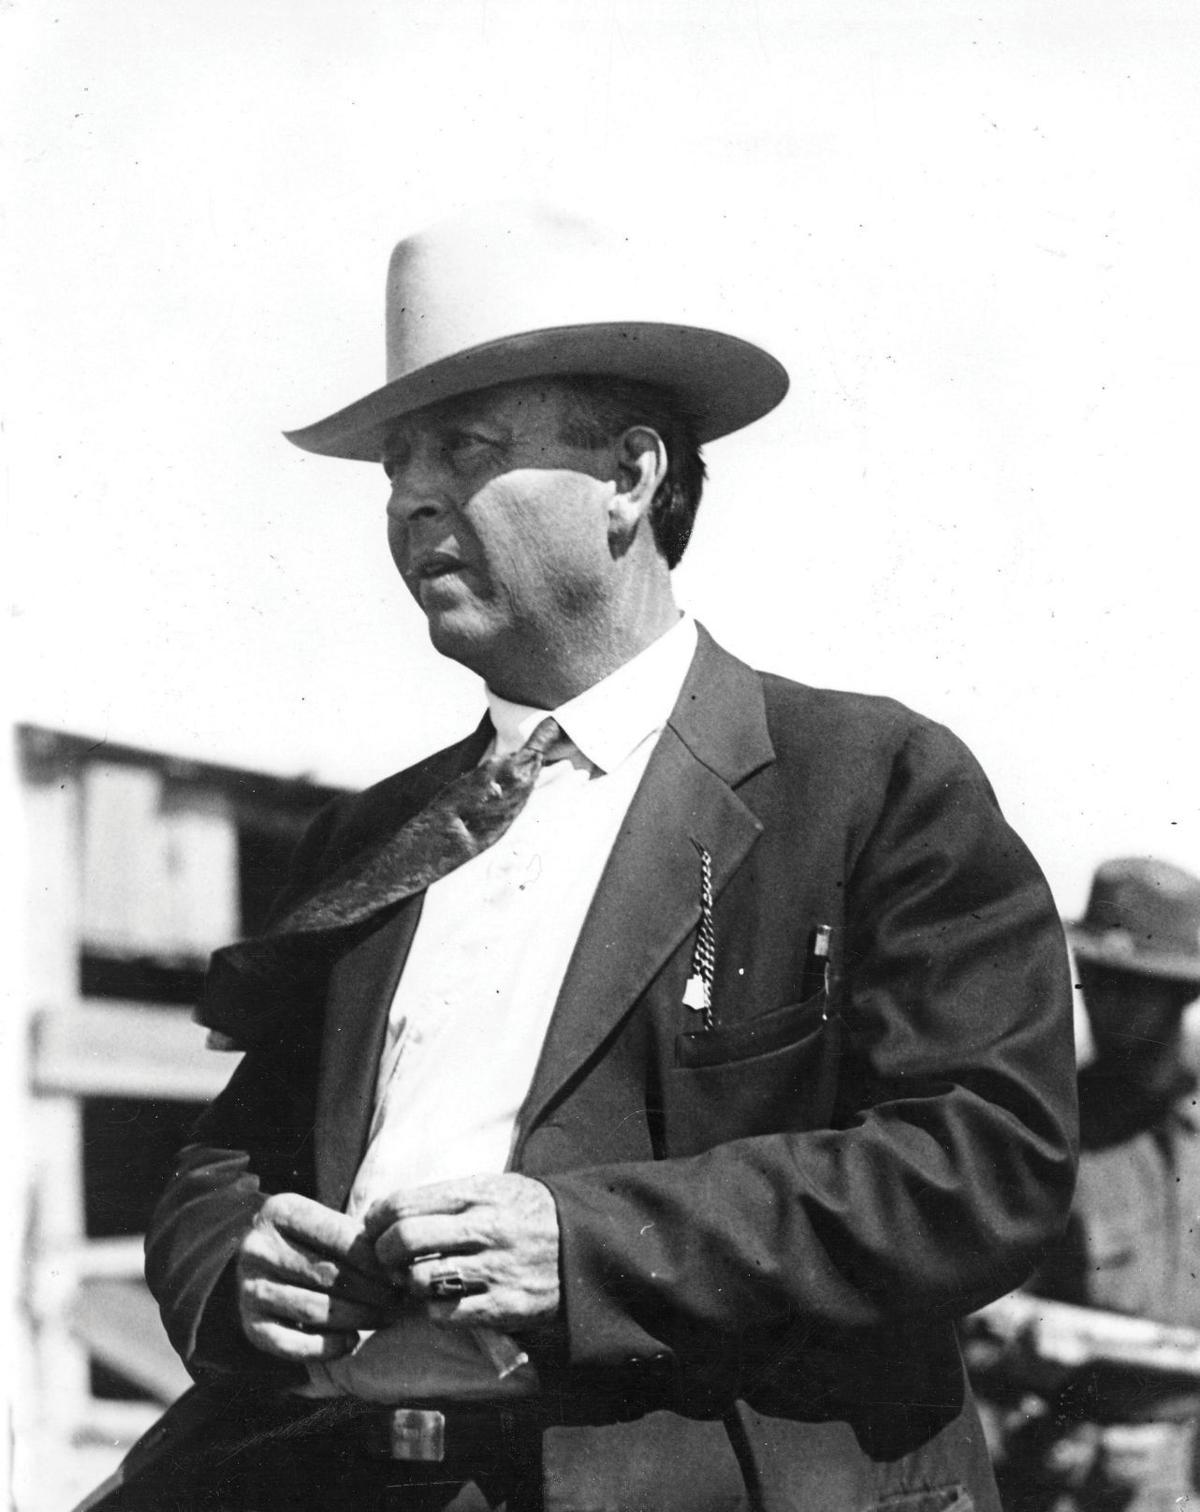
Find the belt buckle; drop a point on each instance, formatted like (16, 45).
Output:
(417, 1433)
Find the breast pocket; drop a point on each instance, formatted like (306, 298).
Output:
(772, 1073)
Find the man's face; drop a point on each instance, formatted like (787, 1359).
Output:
(498, 527)
(1131, 1014)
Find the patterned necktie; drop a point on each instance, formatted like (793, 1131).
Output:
(249, 985)
(465, 818)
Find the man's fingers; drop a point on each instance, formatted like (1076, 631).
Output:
(445, 1197)
(375, 1292)
(308, 1281)
(295, 1238)
(314, 1226)
(406, 1240)
(266, 1299)
(266, 1252)
(284, 1343)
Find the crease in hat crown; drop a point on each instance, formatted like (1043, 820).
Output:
(525, 291)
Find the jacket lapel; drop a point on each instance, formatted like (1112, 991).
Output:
(362, 985)
(361, 988)
(648, 899)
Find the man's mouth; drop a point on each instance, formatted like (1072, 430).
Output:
(438, 564)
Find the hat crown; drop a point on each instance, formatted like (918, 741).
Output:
(495, 273)
(1147, 912)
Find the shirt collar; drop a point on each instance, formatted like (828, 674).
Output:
(609, 720)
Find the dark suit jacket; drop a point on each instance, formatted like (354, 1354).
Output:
(768, 1228)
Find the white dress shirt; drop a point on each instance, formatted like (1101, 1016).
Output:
(479, 986)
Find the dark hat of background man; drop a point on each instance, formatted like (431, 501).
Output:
(1144, 916)
(510, 292)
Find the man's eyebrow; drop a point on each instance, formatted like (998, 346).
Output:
(460, 418)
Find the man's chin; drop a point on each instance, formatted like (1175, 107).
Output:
(460, 637)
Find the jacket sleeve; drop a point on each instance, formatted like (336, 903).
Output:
(253, 1140)
(950, 1159)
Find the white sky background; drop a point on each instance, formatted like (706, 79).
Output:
(970, 231)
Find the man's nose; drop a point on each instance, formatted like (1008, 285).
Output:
(420, 490)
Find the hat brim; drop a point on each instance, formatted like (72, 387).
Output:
(723, 382)
(1098, 950)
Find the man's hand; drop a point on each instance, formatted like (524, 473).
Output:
(501, 1230)
(308, 1280)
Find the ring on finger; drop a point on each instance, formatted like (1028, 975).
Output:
(450, 1285)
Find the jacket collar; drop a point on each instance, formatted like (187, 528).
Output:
(721, 715)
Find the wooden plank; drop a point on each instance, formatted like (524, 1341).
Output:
(60, 1374)
(123, 858)
(53, 852)
(112, 1049)
(121, 1257)
(118, 1323)
(200, 905)
(50, 1368)
(160, 864)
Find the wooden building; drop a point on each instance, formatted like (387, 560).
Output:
(135, 865)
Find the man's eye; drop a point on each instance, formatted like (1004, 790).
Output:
(462, 441)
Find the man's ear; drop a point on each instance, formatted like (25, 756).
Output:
(641, 467)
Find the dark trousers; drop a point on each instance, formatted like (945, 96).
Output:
(291, 1464)
(331, 1473)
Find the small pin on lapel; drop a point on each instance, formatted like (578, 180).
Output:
(695, 994)
(698, 994)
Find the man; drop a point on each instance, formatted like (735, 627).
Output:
(632, 1101)
(1113, 1436)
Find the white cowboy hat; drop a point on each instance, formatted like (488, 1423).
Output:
(514, 292)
